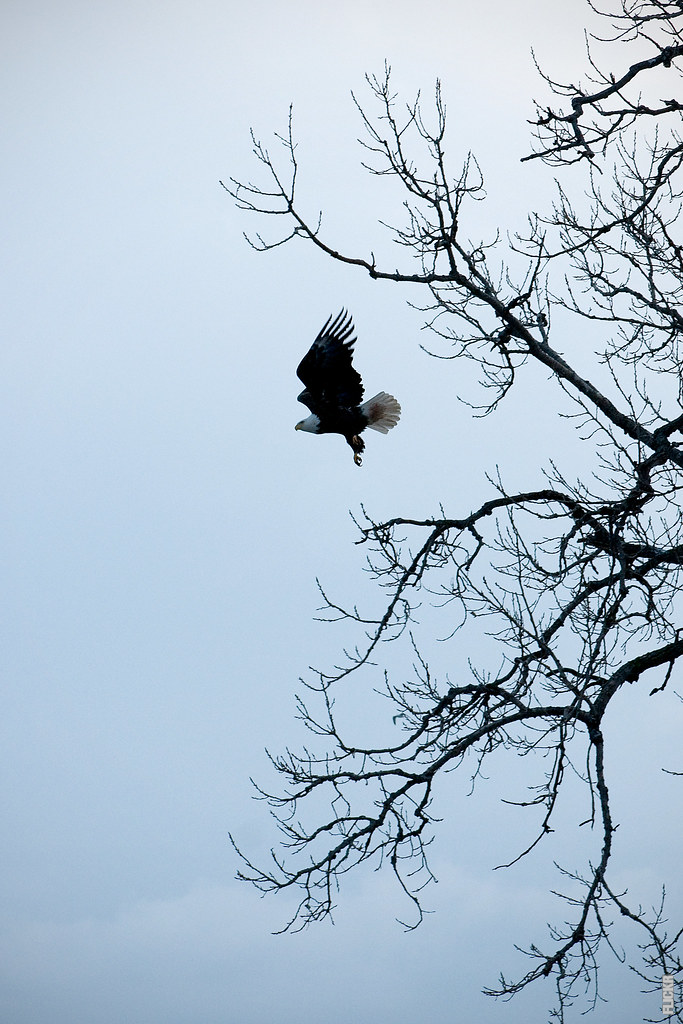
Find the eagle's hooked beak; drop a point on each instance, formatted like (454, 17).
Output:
(298, 426)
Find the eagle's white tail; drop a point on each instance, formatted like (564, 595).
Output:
(383, 412)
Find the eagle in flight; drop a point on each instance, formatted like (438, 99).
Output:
(333, 389)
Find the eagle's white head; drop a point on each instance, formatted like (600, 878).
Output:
(311, 424)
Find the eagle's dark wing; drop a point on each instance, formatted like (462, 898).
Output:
(326, 371)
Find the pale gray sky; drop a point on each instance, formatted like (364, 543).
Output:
(163, 524)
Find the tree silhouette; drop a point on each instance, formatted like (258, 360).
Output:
(578, 581)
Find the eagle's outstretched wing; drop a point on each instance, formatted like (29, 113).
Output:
(326, 371)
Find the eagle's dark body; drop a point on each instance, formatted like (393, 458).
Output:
(333, 389)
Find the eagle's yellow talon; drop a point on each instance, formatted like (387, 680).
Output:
(357, 459)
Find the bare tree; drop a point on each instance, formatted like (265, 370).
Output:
(579, 581)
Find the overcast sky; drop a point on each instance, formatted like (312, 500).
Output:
(163, 524)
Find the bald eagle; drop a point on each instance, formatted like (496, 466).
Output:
(333, 389)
